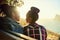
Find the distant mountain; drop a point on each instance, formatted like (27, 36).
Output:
(57, 18)
(51, 24)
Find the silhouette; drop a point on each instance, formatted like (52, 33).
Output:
(33, 29)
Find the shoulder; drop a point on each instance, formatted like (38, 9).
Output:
(42, 27)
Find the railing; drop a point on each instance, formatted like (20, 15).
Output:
(18, 36)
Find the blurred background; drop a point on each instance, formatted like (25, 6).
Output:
(49, 15)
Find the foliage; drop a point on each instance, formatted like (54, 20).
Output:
(12, 2)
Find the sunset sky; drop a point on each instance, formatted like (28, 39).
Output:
(48, 8)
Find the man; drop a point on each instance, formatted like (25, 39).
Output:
(8, 22)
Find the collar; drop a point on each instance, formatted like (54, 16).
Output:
(34, 25)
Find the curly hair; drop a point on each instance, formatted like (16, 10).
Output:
(6, 9)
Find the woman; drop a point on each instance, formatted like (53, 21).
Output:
(8, 22)
(33, 29)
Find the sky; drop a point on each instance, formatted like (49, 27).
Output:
(48, 8)
(53, 26)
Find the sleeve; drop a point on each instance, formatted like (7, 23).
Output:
(45, 34)
(44, 31)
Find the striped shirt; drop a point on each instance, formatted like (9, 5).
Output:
(35, 31)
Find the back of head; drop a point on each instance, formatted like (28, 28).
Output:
(6, 9)
(3, 2)
(33, 13)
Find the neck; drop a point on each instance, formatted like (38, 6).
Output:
(32, 23)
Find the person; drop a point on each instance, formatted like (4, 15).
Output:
(10, 18)
(33, 29)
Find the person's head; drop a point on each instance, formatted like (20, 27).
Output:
(9, 11)
(3, 2)
(32, 15)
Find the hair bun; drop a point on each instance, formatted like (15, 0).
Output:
(34, 9)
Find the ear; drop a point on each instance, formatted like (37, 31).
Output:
(30, 20)
(2, 14)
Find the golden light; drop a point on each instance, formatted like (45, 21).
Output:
(47, 9)
(22, 15)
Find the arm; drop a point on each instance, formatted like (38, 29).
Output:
(45, 34)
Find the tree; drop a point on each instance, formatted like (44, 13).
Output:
(12, 2)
